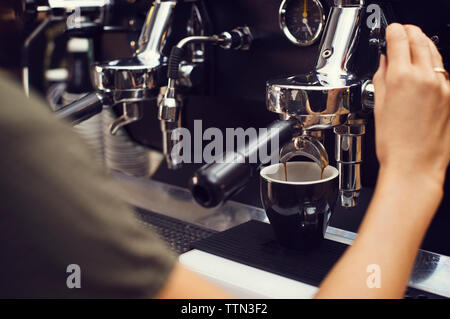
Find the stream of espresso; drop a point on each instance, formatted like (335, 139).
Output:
(286, 175)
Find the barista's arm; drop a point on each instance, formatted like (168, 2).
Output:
(412, 118)
(389, 238)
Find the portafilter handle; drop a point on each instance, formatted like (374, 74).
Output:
(84, 108)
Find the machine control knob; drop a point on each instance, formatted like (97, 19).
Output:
(239, 38)
(368, 95)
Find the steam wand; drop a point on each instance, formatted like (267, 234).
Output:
(170, 107)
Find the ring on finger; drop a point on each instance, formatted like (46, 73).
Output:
(442, 71)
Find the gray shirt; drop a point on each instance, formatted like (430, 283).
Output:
(61, 216)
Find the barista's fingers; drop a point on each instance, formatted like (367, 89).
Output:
(420, 48)
(398, 50)
(380, 75)
(436, 57)
(438, 62)
(379, 81)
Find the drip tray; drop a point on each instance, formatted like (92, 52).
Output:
(253, 244)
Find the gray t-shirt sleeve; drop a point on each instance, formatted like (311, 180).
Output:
(58, 208)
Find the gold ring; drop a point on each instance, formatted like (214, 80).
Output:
(442, 71)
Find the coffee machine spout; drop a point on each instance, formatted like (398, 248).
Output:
(349, 158)
(131, 113)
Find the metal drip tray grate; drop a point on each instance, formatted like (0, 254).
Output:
(253, 244)
(179, 235)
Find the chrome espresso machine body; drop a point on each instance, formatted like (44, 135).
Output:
(301, 67)
(330, 96)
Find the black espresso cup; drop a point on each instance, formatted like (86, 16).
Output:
(299, 209)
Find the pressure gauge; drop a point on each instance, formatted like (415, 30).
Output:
(302, 21)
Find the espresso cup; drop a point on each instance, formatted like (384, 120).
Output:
(299, 209)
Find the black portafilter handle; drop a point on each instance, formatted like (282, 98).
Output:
(215, 183)
(83, 109)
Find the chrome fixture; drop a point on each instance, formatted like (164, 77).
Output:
(132, 80)
(131, 113)
(140, 77)
(305, 145)
(349, 158)
(324, 97)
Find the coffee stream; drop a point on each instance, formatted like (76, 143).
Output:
(322, 169)
(286, 175)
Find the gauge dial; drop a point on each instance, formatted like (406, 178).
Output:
(301, 21)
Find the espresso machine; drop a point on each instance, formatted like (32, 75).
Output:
(302, 69)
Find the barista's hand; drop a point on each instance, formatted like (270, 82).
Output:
(412, 107)
(412, 118)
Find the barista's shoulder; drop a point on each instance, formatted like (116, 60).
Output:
(17, 110)
(28, 124)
